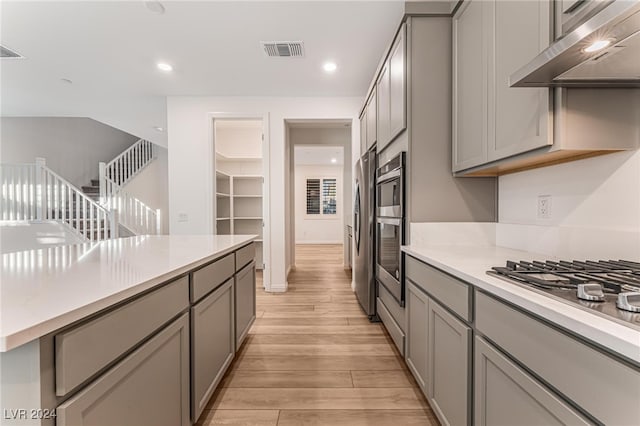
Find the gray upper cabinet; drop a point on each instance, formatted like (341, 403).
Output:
(492, 121)
(470, 85)
(383, 115)
(398, 84)
(391, 93)
(507, 395)
(520, 119)
(449, 359)
(371, 108)
(148, 387)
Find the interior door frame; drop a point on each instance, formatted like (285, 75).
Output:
(266, 188)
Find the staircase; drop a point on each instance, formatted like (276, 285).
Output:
(33, 192)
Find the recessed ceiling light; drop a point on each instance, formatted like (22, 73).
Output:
(162, 66)
(66, 80)
(330, 66)
(597, 45)
(155, 7)
(158, 128)
(333, 160)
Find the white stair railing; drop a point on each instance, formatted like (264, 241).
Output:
(133, 214)
(35, 192)
(60, 200)
(18, 192)
(130, 162)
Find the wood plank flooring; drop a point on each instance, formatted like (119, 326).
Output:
(313, 358)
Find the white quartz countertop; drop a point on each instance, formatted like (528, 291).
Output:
(46, 289)
(471, 262)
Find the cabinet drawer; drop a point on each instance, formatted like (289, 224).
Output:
(245, 255)
(397, 312)
(83, 351)
(211, 276)
(397, 335)
(149, 387)
(578, 371)
(450, 292)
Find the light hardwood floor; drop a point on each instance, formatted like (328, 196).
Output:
(313, 358)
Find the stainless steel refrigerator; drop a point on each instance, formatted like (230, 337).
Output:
(363, 229)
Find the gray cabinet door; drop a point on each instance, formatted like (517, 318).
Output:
(449, 360)
(363, 132)
(417, 334)
(470, 86)
(397, 87)
(383, 115)
(212, 344)
(245, 297)
(148, 387)
(507, 395)
(371, 119)
(519, 118)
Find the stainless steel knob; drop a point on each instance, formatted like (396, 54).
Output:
(629, 301)
(591, 292)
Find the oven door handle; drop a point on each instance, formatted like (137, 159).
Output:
(394, 174)
(390, 221)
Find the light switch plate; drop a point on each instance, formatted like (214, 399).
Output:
(183, 217)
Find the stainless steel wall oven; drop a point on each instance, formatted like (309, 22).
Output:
(389, 233)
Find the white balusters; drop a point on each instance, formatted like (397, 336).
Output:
(132, 213)
(17, 198)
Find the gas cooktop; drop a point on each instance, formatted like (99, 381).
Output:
(608, 287)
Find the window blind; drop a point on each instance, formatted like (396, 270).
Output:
(329, 196)
(313, 196)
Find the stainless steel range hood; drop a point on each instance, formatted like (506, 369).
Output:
(566, 63)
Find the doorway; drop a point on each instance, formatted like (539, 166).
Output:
(318, 185)
(240, 204)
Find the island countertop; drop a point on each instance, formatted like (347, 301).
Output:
(470, 263)
(46, 289)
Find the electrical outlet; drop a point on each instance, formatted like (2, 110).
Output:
(544, 207)
(183, 217)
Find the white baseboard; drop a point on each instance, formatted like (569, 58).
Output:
(281, 288)
(319, 242)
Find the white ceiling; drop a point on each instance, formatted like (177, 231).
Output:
(305, 155)
(109, 51)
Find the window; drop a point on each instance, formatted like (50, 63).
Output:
(322, 196)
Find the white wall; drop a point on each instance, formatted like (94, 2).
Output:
(191, 160)
(312, 229)
(73, 147)
(239, 139)
(595, 208)
(150, 186)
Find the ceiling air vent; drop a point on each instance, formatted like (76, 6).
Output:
(8, 53)
(283, 48)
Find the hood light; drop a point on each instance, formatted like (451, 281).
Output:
(597, 45)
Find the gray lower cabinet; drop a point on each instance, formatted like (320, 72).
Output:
(212, 344)
(417, 334)
(506, 395)
(245, 302)
(148, 387)
(449, 359)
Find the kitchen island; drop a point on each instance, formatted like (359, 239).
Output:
(488, 351)
(128, 331)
